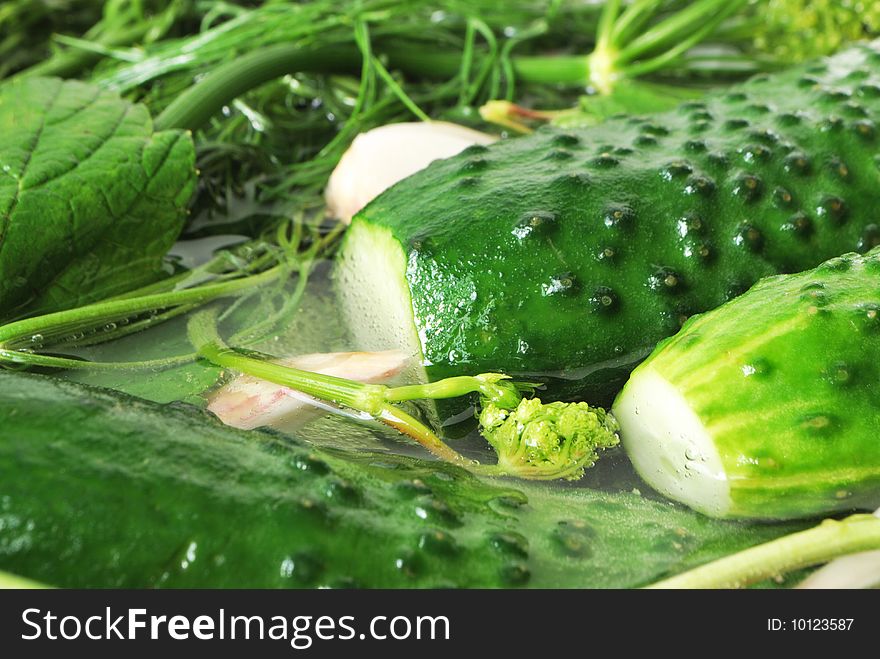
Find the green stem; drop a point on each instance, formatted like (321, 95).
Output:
(571, 70)
(671, 55)
(72, 61)
(633, 19)
(820, 544)
(197, 104)
(19, 335)
(491, 386)
(679, 26)
(367, 398)
(606, 24)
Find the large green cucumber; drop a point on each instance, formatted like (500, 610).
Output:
(769, 406)
(572, 254)
(100, 489)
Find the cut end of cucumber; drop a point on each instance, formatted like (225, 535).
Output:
(374, 295)
(669, 446)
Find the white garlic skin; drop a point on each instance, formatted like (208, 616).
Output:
(381, 157)
(247, 402)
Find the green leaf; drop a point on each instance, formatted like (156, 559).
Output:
(91, 198)
(100, 489)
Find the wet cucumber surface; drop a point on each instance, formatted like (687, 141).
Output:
(572, 253)
(98, 489)
(795, 360)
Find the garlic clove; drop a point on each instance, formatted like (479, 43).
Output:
(247, 402)
(381, 157)
(860, 570)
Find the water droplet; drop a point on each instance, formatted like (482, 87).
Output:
(575, 538)
(869, 239)
(676, 170)
(604, 300)
(748, 187)
(839, 168)
(667, 280)
(437, 512)
(750, 237)
(408, 564)
(535, 223)
(759, 367)
(832, 208)
(840, 373)
(302, 567)
(690, 224)
(789, 119)
(865, 128)
(797, 162)
(342, 491)
(699, 185)
(559, 154)
(800, 225)
(604, 161)
(782, 198)
(565, 139)
(412, 488)
(515, 574)
(438, 542)
(474, 165)
(511, 543)
(654, 129)
(37, 338)
(561, 284)
(619, 217)
(755, 153)
(310, 463)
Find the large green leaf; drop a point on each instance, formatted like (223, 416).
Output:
(90, 197)
(100, 489)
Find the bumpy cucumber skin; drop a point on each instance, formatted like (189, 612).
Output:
(786, 380)
(574, 253)
(98, 489)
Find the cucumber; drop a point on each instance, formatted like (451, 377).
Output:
(769, 406)
(98, 489)
(570, 254)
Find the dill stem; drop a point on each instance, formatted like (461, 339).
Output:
(197, 104)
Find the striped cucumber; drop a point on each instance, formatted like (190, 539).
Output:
(99, 489)
(571, 254)
(769, 406)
